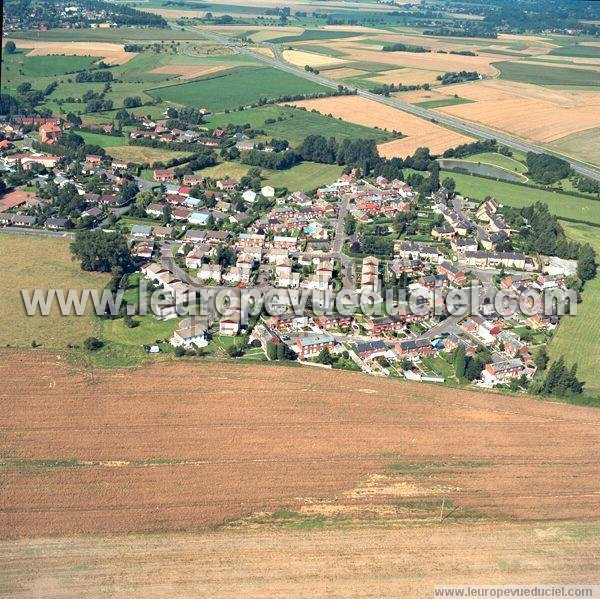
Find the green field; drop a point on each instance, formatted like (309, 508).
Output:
(577, 337)
(236, 87)
(584, 145)
(444, 102)
(105, 141)
(313, 34)
(303, 177)
(511, 194)
(147, 332)
(294, 124)
(577, 50)
(51, 66)
(117, 35)
(547, 75)
(498, 160)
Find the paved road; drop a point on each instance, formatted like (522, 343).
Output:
(462, 126)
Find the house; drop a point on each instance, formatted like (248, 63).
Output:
(464, 244)
(498, 373)
(19, 220)
(247, 240)
(144, 249)
(267, 191)
(163, 174)
(162, 232)
(192, 335)
(199, 218)
(289, 243)
(141, 230)
(493, 259)
(414, 349)
(334, 321)
(57, 223)
(369, 277)
(380, 325)
(244, 146)
(210, 272)
(414, 250)
(155, 209)
(249, 196)
(227, 184)
(370, 349)
(313, 345)
(454, 275)
(93, 213)
(50, 133)
(230, 325)
(93, 159)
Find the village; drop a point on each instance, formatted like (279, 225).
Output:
(188, 232)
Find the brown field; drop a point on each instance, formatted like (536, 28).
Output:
(427, 61)
(406, 77)
(344, 72)
(300, 59)
(188, 71)
(526, 110)
(348, 561)
(191, 446)
(418, 132)
(264, 51)
(112, 53)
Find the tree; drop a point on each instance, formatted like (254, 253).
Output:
(460, 362)
(473, 369)
(272, 350)
(101, 251)
(10, 47)
(586, 264)
(325, 357)
(541, 358)
(449, 183)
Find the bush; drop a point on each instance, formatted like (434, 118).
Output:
(92, 344)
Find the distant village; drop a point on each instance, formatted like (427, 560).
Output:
(187, 231)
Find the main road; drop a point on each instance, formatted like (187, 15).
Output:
(464, 127)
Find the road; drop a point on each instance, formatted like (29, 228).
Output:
(443, 119)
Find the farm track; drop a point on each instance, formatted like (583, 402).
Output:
(453, 122)
(199, 444)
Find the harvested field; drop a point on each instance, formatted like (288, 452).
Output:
(407, 77)
(300, 59)
(400, 561)
(264, 51)
(344, 72)
(188, 71)
(584, 145)
(524, 111)
(427, 61)
(187, 446)
(112, 53)
(418, 132)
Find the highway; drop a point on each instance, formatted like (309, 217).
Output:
(458, 124)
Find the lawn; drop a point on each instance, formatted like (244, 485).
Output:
(511, 194)
(236, 87)
(547, 75)
(146, 333)
(104, 141)
(498, 160)
(443, 102)
(577, 336)
(294, 124)
(40, 263)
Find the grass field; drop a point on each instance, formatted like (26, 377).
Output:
(584, 145)
(142, 154)
(40, 263)
(577, 337)
(294, 124)
(564, 206)
(147, 332)
(577, 50)
(51, 66)
(236, 87)
(303, 177)
(450, 101)
(547, 75)
(498, 160)
(105, 141)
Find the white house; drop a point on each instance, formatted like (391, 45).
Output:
(249, 196)
(193, 335)
(267, 191)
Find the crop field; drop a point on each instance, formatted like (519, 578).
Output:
(418, 132)
(48, 66)
(111, 53)
(450, 101)
(21, 258)
(584, 145)
(577, 50)
(235, 88)
(313, 35)
(278, 561)
(89, 451)
(294, 124)
(547, 75)
(300, 59)
(521, 110)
